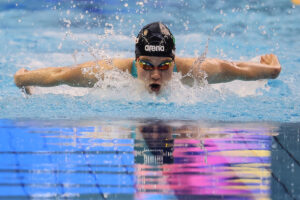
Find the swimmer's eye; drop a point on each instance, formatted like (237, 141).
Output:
(146, 66)
(164, 65)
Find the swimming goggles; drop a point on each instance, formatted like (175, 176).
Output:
(147, 66)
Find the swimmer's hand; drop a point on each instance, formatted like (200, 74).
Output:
(18, 74)
(271, 60)
(18, 77)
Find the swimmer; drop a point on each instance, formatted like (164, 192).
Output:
(154, 64)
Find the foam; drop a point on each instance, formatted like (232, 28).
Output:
(61, 90)
(242, 88)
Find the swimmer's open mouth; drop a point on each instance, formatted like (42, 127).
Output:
(155, 87)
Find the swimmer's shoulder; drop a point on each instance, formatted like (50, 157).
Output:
(123, 64)
(184, 64)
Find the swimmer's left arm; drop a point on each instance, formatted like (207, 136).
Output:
(219, 71)
(268, 68)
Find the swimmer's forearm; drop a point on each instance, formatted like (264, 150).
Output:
(269, 67)
(255, 71)
(40, 77)
(54, 76)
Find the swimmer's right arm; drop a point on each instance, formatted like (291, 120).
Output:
(53, 76)
(83, 75)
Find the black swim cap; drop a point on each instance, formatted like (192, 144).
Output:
(155, 39)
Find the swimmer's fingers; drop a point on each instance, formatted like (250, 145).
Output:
(275, 60)
(262, 60)
(269, 59)
(273, 65)
(21, 71)
(265, 59)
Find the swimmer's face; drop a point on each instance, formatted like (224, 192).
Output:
(155, 71)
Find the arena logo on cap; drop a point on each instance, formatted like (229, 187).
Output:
(154, 48)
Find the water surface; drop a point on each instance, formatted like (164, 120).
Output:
(148, 159)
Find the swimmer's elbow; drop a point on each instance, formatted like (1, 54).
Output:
(76, 78)
(219, 71)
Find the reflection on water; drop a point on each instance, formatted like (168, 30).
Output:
(141, 160)
(200, 161)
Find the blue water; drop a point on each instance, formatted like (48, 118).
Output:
(148, 159)
(237, 140)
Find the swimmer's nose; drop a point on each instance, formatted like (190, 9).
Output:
(155, 74)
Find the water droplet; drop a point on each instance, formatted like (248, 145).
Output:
(59, 46)
(105, 195)
(140, 4)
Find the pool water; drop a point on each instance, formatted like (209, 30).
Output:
(237, 140)
(148, 159)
